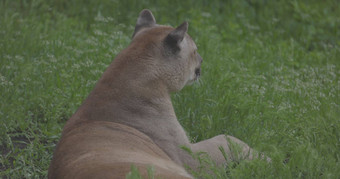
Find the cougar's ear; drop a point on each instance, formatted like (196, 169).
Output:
(145, 19)
(175, 37)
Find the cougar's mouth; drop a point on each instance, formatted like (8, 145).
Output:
(195, 77)
(197, 72)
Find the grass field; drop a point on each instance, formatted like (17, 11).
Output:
(270, 77)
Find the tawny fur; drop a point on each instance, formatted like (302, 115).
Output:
(128, 118)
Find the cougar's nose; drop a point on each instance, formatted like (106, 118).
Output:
(199, 58)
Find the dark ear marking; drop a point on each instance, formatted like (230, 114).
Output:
(175, 37)
(145, 19)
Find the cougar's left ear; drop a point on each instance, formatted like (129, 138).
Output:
(173, 40)
(145, 19)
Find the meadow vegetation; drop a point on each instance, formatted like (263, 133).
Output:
(270, 77)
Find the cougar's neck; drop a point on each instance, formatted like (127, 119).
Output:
(127, 94)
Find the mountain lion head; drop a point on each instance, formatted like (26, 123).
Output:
(173, 53)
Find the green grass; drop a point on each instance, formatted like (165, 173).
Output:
(270, 77)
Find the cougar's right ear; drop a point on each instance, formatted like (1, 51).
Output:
(175, 37)
(145, 19)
